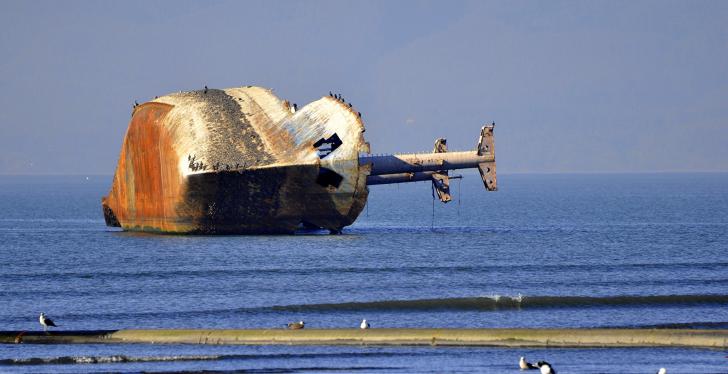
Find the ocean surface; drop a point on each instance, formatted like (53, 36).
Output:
(578, 250)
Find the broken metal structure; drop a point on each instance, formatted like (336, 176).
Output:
(243, 161)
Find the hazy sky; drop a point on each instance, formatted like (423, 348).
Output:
(572, 86)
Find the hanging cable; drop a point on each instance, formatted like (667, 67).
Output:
(459, 180)
(433, 205)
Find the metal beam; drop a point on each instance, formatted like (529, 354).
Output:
(403, 178)
(420, 162)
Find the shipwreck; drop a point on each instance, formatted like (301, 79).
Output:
(243, 161)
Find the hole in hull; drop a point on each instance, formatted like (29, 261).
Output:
(327, 146)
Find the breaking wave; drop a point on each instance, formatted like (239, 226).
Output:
(75, 360)
(101, 359)
(685, 325)
(497, 302)
(480, 303)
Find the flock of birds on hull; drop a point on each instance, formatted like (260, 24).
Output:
(542, 366)
(341, 99)
(293, 108)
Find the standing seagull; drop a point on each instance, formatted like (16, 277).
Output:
(45, 321)
(525, 365)
(545, 367)
(364, 324)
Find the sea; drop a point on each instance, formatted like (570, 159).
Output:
(545, 250)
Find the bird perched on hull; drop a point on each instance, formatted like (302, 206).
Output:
(545, 367)
(46, 322)
(525, 365)
(364, 324)
(296, 325)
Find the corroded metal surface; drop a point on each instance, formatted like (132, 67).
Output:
(242, 160)
(236, 161)
(433, 166)
(486, 149)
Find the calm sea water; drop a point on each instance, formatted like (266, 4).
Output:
(610, 250)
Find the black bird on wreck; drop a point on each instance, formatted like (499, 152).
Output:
(305, 168)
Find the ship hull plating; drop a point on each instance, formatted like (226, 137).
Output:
(236, 161)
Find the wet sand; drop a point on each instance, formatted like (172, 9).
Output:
(561, 338)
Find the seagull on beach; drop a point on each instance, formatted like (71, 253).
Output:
(525, 365)
(46, 322)
(545, 367)
(364, 324)
(296, 325)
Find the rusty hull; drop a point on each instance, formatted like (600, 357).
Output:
(237, 161)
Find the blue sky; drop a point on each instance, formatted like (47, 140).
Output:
(581, 86)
